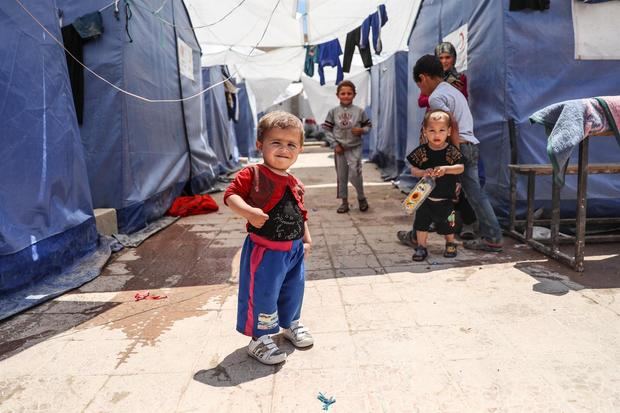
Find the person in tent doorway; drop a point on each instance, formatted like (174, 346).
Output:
(442, 161)
(428, 75)
(344, 126)
(446, 53)
(271, 275)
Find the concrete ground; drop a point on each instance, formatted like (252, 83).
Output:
(512, 332)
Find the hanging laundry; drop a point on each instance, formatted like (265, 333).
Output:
(74, 36)
(311, 59)
(230, 90)
(516, 5)
(353, 40)
(374, 22)
(329, 55)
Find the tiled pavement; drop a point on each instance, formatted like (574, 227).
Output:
(511, 332)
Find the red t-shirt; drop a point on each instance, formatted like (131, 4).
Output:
(262, 188)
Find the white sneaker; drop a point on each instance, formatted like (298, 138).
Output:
(298, 335)
(266, 351)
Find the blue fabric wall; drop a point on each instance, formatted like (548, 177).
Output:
(220, 129)
(137, 152)
(203, 160)
(46, 218)
(245, 128)
(518, 62)
(388, 136)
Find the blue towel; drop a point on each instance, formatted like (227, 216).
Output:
(568, 123)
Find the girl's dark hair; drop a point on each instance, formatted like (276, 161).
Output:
(346, 83)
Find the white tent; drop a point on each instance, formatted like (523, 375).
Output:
(262, 40)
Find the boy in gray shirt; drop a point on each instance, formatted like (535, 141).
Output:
(344, 126)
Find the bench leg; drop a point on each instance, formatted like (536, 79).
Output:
(582, 190)
(531, 189)
(513, 200)
(555, 215)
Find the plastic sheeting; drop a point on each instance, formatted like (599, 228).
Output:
(388, 136)
(46, 213)
(323, 98)
(266, 91)
(326, 20)
(275, 23)
(518, 63)
(253, 63)
(220, 128)
(138, 163)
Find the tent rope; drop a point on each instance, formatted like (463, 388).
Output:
(156, 14)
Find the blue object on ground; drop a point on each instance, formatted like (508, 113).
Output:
(326, 402)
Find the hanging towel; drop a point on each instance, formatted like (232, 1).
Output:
(611, 108)
(568, 123)
(329, 55)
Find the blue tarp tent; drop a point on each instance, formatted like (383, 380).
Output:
(388, 136)
(137, 151)
(219, 126)
(46, 214)
(245, 127)
(518, 62)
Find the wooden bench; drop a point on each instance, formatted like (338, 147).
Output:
(582, 169)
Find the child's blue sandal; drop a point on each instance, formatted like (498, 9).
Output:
(420, 254)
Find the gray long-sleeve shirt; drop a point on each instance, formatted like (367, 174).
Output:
(339, 122)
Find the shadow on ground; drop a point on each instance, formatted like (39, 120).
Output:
(238, 368)
(235, 369)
